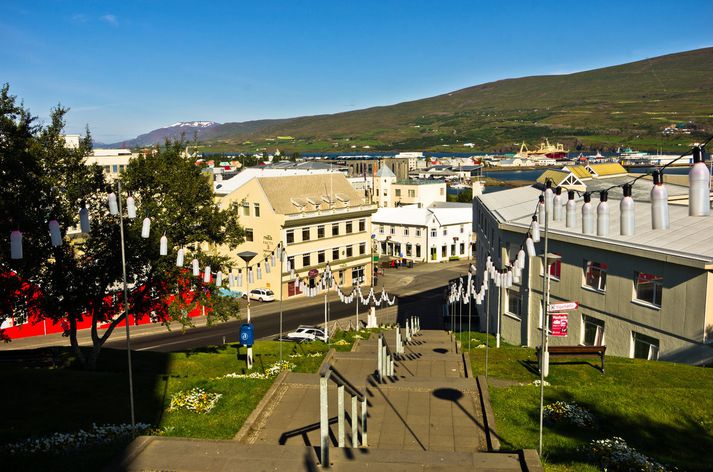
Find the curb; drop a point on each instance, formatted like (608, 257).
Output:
(132, 451)
(247, 427)
(491, 435)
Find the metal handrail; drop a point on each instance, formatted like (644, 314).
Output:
(330, 372)
(327, 373)
(385, 359)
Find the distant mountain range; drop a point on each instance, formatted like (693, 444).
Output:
(625, 104)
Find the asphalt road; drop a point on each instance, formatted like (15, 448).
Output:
(419, 287)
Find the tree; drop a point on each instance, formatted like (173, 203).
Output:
(80, 280)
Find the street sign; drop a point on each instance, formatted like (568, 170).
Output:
(564, 306)
(312, 273)
(558, 324)
(247, 334)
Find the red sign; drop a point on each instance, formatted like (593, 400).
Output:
(558, 324)
(565, 306)
(312, 273)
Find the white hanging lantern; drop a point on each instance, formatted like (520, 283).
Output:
(530, 246)
(627, 217)
(130, 207)
(196, 268)
(659, 203)
(146, 228)
(163, 246)
(273, 259)
(267, 265)
(587, 215)
(84, 225)
(521, 258)
(231, 279)
(549, 199)
(219, 279)
(113, 205)
(55, 233)
(16, 245)
(508, 280)
(535, 230)
(259, 272)
(699, 186)
(289, 266)
(250, 276)
(206, 274)
(603, 214)
(240, 278)
(558, 205)
(541, 209)
(498, 279)
(571, 210)
(179, 258)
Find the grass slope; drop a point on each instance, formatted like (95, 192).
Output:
(662, 409)
(631, 103)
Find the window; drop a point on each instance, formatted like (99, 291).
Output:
(305, 234)
(335, 254)
(248, 234)
(595, 275)
(362, 248)
(349, 227)
(433, 232)
(408, 249)
(592, 331)
(445, 231)
(291, 263)
(462, 229)
(405, 231)
(393, 230)
(444, 251)
(320, 257)
(335, 229)
(418, 250)
(418, 232)
(256, 207)
(246, 208)
(453, 249)
(107, 169)
(644, 347)
(349, 251)
(412, 193)
(305, 260)
(320, 231)
(513, 302)
(397, 192)
(381, 229)
(362, 225)
(115, 168)
(648, 288)
(290, 236)
(462, 249)
(555, 268)
(357, 275)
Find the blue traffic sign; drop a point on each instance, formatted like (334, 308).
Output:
(247, 334)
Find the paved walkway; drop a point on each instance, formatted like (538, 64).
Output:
(428, 416)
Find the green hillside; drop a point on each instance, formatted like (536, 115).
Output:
(628, 104)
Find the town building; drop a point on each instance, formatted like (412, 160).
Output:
(392, 192)
(317, 216)
(438, 233)
(649, 295)
(368, 166)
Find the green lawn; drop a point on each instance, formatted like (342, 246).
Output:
(42, 401)
(662, 409)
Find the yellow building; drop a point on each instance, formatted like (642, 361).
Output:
(318, 218)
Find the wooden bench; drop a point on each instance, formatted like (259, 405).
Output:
(575, 351)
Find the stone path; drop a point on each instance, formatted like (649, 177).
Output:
(428, 416)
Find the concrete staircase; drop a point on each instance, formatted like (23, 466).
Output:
(428, 416)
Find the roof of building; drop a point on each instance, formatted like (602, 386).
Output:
(384, 171)
(580, 171)
(606, 169)
(688, 237)
(411, 215)
(292, 194)
(556, 176)
(420, 182)
(228, 186)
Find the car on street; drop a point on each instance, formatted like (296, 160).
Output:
(261, 294)
(305, 333)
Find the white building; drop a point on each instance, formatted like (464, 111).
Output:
(391, 192)
(438, 233)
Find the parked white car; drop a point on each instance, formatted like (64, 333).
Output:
(262, 294)
(307, 333)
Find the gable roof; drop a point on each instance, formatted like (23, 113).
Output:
(384, 171)
(315, 190)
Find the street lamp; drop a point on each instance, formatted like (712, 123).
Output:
(247, 256)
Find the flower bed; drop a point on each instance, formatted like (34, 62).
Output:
(272, 371)
(59, 443)
(615, 455)
(195, 399)
(566, 412)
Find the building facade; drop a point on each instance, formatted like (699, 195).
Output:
(646, 296)
(318, 218)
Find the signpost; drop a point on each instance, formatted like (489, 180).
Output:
(559, 323)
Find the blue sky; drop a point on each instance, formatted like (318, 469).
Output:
(128, 67)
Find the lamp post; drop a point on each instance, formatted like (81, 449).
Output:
(247, 256)
(126, 307)
(280, 258)
(327, 283)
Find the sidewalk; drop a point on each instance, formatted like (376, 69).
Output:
(400, 282)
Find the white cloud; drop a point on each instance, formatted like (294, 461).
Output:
(79, 18)
(111, 19)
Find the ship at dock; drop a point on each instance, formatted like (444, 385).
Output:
(544, 151)
(629, 157)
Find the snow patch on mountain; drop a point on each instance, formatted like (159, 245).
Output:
(193, 124)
